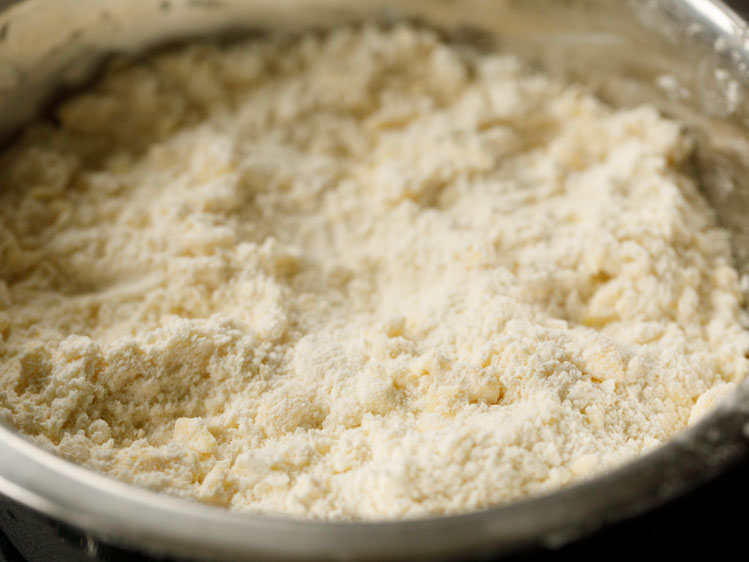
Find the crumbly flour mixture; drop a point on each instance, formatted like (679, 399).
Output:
(368, 274)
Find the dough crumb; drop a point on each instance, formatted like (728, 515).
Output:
(370, 274)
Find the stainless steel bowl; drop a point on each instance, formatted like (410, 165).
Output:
(690, 58)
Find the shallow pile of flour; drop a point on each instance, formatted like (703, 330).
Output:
(362, 275)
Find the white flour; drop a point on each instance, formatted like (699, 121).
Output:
(366, 275)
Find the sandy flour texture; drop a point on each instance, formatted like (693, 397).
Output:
(363, 275)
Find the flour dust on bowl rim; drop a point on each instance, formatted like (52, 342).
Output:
(689, 59)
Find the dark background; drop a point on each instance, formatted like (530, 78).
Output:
(711, 522)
